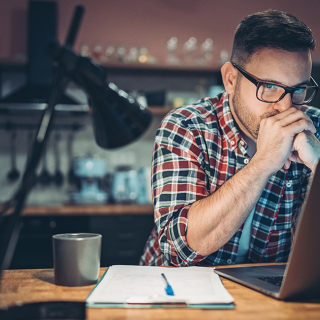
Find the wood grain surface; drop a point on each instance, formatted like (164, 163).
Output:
(37, 285)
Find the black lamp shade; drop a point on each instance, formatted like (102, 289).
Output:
(117, 118)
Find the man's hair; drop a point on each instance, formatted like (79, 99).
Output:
(270, 29)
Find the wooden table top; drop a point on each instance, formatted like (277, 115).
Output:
(37, 285)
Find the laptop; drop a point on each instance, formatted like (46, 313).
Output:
(299, 278)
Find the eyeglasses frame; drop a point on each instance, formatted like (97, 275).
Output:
(258, 82)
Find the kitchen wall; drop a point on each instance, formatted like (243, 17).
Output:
(149, 22)
(136, 155)
(137, 23)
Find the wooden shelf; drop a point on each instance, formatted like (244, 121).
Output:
(11, 64)
(82, 210)
(161, 66)
(161, 69)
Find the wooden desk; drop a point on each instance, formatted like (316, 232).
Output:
(37, 285)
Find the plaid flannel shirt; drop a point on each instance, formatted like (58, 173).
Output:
(197, 149)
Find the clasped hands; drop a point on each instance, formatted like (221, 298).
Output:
(288, 136)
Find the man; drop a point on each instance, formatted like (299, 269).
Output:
(230, 173)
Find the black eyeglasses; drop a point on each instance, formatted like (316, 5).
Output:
(270, 92)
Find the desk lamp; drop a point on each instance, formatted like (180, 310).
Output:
(117, 120)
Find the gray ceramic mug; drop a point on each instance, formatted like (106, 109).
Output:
(76, 258)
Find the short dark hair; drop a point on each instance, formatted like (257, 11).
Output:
(270, 29)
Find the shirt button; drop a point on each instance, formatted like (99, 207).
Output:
(289, 184)
(232, 142)
(229, 261)
(246, 161)
(242, 142)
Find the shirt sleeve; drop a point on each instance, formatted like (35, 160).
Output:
(314, 114)
(177, 181)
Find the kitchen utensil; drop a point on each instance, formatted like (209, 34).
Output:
(72, 179)
(58, 175)
(14, 173)
(45, 177)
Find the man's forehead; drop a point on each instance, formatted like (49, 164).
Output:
(279, 54)
(281, 66)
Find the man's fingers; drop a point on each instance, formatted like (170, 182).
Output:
(284, 114)
(297, 117)
(287, 164)
(293, 157)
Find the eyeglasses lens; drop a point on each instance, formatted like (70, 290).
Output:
(269, 92)
(272, 93)
(303, 96)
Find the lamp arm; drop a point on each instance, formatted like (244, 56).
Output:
(60, 81)
(12, 231)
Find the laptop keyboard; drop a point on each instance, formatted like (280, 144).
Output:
(276, 280)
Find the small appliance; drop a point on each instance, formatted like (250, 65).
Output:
(125, 185)
(90, 173)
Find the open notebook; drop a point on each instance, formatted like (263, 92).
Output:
(299, 279)
(143, 287)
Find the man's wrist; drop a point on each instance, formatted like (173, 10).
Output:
(314, 165)
(262, 167)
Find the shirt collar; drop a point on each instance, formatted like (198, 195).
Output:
(226, 121)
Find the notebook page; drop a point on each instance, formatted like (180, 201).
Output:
(193, 285)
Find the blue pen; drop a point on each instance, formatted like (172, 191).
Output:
(168, 288)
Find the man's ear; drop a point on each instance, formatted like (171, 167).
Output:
(229, 77)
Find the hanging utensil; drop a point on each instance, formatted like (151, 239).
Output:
(14, 173)
(29, 152)
(45, 177)
(58, 176)
(71, 175)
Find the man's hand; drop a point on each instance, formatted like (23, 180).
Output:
(285, 137)
(306, 149)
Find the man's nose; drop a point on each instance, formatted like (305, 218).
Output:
(284, 104)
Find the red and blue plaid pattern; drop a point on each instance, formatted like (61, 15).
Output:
(197, 149)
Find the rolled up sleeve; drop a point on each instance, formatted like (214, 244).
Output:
(177, 181)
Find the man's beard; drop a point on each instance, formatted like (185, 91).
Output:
(248, 120)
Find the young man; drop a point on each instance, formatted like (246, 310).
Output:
(230, 173)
